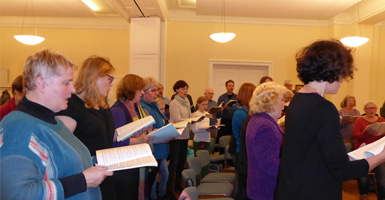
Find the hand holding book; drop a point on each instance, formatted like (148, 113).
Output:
(126, 157)
(375, 129)
(368, 150)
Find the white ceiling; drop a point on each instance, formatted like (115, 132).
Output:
(331, 11)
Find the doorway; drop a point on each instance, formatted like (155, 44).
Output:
(239, 71)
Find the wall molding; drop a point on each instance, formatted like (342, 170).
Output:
(107, 22)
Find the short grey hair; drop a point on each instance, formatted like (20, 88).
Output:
(369, 102)
(150, 83)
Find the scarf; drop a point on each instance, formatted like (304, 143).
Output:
(185, 102)
(133, 114)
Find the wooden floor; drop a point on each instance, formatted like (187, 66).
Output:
(350, 191)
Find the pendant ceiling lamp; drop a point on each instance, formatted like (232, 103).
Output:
(224, 36)
(355, 41)
(29, 39)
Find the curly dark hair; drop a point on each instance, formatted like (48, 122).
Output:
(325, 60)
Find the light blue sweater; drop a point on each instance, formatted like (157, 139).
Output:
(35, 154)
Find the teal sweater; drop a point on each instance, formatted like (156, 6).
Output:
(35, 154)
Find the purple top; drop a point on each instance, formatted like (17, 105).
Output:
(121, 118)
(263, 144)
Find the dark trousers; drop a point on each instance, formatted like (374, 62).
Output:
(363, 182)
(152, 176)
(225, 130)
(178, 156)
(241, 187)
(126, 184)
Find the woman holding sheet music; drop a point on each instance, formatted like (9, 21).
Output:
(314, 162)
(134, 182)
(150, 106)
(347, 122)
(368, 137)
(40, 157)
(179, 110)
(88, 114)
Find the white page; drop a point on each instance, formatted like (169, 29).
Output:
(139, 162)
(182, 124)
(368, 150)
(131, 128)
(120, 154)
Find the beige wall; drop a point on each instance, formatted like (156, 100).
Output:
(189, 49)
(76, 44)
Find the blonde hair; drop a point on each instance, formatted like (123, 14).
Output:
(160, 102)
(288, 93)
(201, 99)
(265, 96)
(345, 101)
(44, 64)
(93, 68)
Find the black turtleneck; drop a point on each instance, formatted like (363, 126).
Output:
(36, 110)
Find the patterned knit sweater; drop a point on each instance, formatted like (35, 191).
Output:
(35, 155)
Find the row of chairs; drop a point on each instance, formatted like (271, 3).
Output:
(213, 185)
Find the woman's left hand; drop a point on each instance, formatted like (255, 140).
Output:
(146, 138)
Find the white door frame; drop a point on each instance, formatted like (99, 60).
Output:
(214, 63)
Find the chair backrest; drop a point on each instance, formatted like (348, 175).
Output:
(224, 141)
(348, 147)
(203, 156)
(227, 154)
(189, 193)
(212, 145)
(195, 164)
(188, 176)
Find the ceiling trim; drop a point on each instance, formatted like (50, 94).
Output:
(60, 22)
(189, 16)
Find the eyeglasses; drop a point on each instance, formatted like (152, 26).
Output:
(153, 89)
(371, 108)
(110, 78)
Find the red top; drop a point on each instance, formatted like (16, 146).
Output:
(7, 108)
(358, 129)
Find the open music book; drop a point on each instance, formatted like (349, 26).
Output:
(127, 157)
(368, 150)
(212, 127)
(214, 110)
(378, 127)
(229, 103)
(165, 133)
(348, 117)
(183, 124)
(130, 129)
